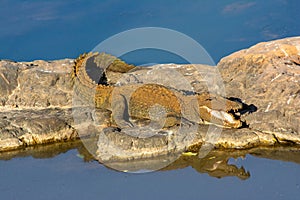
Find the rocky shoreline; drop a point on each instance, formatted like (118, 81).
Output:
(36, 98)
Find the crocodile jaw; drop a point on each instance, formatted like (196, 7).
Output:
(222, 118)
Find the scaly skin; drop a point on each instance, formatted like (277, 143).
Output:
(212, 108)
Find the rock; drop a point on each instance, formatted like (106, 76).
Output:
(35, 126)
(48, 83)
(8, 80)
(267, 75)
(36, 102)
(37, 97)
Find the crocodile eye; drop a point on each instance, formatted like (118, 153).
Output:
(95, 72)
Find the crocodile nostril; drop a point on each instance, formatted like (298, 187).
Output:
(96, 73)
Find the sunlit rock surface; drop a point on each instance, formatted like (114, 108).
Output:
(267, 75)
(36, 98)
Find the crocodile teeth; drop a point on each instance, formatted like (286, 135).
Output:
(222, 115)
(228, 119)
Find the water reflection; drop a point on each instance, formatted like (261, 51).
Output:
(215, 164)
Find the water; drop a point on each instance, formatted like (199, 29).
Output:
(60, 172)
(59, 29)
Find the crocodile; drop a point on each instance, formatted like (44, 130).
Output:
(92, 82)
(37, 102)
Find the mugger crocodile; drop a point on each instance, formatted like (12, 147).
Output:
(170, 131)
(37, 107)
(212, 108)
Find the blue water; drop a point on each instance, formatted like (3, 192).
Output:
(59, 29)
(67, 177)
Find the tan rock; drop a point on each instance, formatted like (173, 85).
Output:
(267, 75)
(36, 101)
(36, 97)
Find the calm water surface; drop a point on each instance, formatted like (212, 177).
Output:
(63, 174)
(59, 29)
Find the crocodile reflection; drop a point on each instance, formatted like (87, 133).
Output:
(215, 164)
